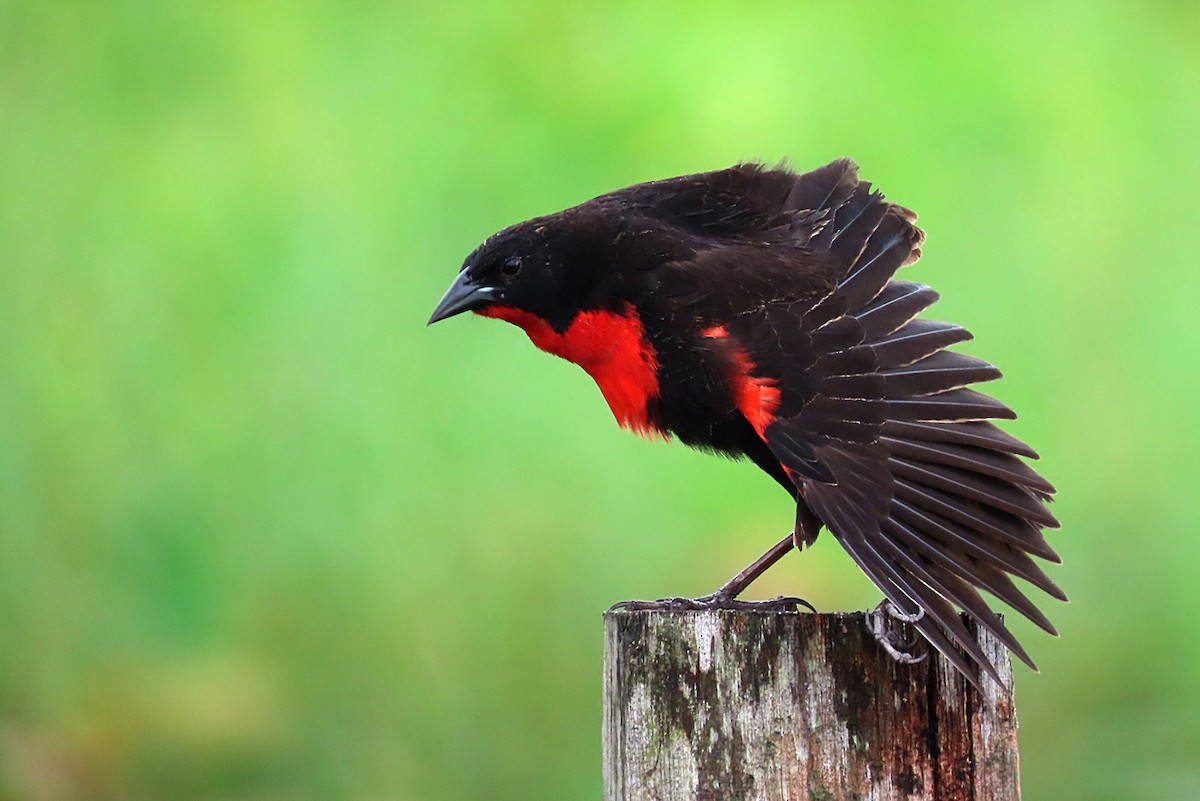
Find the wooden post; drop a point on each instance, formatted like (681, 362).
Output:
(768, 706)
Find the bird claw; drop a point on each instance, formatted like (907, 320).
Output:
(786, 603)
(662, 605)
(880, 622)
(716, 600)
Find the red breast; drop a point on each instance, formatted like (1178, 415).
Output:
(611, 348)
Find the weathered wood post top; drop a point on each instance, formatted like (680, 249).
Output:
(767, 706)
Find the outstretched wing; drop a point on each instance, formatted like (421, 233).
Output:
(875, 421)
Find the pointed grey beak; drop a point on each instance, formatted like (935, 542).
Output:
(463, 295)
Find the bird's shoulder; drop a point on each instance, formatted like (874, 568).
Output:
(746, 200)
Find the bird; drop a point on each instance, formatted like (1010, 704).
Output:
(754, 312)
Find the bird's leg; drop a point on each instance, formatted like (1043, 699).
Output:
(886, 633)
(726, 596)
(731, 589)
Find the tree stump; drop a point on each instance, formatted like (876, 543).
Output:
(767, 706)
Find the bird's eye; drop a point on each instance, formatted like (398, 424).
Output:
(510, 267)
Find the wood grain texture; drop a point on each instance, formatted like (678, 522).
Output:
(732, 705)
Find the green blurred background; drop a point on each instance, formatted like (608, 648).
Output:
(264, 536)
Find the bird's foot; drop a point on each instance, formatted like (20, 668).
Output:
(882, 623)
(716, 600)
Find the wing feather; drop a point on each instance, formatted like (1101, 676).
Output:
(876, 422)
(982, 460)
(916, 340)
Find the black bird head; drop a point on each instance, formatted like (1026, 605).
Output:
(546, 266)
(513, 267)
(592, 257)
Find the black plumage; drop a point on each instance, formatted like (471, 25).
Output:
(753, 312)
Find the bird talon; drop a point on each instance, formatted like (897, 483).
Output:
(661, 604)
(895, 613)
(879, 622)
(711, 602)
(903, 657)
(793, 601)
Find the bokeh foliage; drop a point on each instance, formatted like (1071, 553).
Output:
(264, 536)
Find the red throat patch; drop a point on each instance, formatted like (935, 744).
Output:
(756, 397)
(610, 347)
